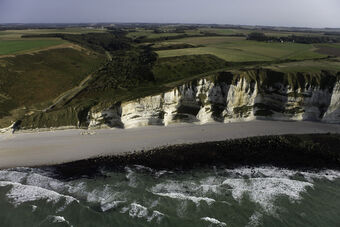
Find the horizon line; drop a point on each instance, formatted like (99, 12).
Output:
(162, 23)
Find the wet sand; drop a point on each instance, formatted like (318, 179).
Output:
(55, 147)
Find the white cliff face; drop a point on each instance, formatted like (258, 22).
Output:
(107, 118)
(207, 101)
(333, 112)
(287, 104)
(142, 112)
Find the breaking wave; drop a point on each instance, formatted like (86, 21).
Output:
(152, 196)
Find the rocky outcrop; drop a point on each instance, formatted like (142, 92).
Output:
(230, 97)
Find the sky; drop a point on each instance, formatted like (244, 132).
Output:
(299, 13)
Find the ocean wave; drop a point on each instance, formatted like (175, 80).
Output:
(214, 221)
(12, 176)
(156, 215)
(282, 173)
(54, 219)
(20, 194)
(181, 196)
(136, 210)
(264, 191)
(110, 205)
(141, 168)
(131, 177)
(254, 220)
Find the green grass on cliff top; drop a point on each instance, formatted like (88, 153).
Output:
(238, 49)
(310, 66)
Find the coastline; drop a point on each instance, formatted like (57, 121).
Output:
(63, 146)
(305, 152)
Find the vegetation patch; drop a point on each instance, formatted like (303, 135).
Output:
(173, 47)
(329, 50)
(243, 110)
(178, 68)
(259, 36)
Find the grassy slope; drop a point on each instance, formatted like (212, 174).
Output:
(166, 73)
(177, 68)
(32, 81)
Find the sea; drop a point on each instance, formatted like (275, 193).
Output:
(140, 196)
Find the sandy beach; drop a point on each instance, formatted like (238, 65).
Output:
(54, 147)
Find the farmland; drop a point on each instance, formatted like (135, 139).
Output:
(11, 41)
(8, 47)
(16, 34)
(237, 49)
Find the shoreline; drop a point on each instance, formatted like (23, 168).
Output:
(63, 146)
(307, 152)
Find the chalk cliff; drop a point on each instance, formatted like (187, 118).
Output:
(232, 96)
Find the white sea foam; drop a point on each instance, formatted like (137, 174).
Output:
(160, 173)
(186, 190)
(156, 173)
(214, 221)
(181, 196)
(264, 190)
(131, 176)
(106, 196)
(12, 176)
(255, 219)
(20, 193)
(110, 205)
(136, 210)
(283, 173)
(57, 219)
(34, 208)
(47, 182)
(156, 215)
(140, 167)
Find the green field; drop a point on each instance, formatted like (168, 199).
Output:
(16, 34)
(149, 34)
(332, 45)
(168, 32)
(8, 47)
(12, 43)
(238, 49)
(310, 66)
